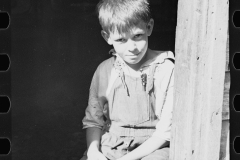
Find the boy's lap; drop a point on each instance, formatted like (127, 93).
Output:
(160, 154)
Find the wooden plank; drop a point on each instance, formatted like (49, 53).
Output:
(201, 39)
(224, 147)
(227, 67)
(225, 109)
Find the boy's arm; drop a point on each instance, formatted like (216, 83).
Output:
(93, 135)
(150, 145)
(93, 120)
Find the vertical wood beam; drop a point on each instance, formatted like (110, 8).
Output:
(201, 39)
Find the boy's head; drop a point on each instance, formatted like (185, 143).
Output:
(126, 25)
(122, 15)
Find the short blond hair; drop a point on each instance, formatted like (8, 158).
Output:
(121, 15)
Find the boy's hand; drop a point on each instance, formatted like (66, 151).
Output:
(96, 155)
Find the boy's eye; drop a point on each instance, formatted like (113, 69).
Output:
(138, 36)
(121, 40)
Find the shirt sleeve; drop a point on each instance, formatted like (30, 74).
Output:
(163, 127)
(94, 116)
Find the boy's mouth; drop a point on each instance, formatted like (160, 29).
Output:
(134, 54)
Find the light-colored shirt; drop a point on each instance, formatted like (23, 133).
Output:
(163, 83)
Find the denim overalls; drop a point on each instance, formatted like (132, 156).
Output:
(131, 112)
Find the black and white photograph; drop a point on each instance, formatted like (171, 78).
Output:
(120, 80)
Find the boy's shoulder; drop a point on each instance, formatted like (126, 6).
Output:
(108, 63)
(105, 67)
(165, 64)
(163, 57)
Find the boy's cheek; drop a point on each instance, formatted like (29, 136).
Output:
(119, 48)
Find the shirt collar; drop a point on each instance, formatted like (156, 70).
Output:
(158, 58)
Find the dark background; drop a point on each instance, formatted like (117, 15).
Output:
(55, 48)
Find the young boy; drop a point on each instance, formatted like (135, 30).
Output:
(131, 95)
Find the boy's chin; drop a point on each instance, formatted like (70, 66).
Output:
(132, 62)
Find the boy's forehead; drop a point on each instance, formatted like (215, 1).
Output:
(132, 30)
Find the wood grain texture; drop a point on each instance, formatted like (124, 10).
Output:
(224, 147)
(225, 109)
(227, 67)
(201, 39)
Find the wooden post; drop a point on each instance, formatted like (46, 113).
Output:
(201, 39)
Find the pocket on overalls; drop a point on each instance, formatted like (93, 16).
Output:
(132, 109)
(112, 146)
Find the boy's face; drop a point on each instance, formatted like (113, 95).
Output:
(131, 46)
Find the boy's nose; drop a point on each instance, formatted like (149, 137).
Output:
(132, 47)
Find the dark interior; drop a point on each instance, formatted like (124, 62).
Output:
(56, 46)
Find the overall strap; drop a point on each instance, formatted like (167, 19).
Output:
(116, 71)
(151, 78)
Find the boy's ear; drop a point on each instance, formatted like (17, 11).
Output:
(106, 37)
(150, 26)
